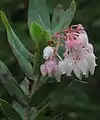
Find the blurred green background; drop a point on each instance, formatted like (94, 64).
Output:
(82, 101)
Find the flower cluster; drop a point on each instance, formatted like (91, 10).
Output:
(78, 57)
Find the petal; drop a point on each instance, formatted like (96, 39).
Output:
(56, 69)
(84, 38)
(62, 67)
(91, 60)
(43, 70)
(77, 71)
(83, 65)
(69, 68)
(49, 66)
(48, 52)
(90, 47)
(91, 63)
(92, 69)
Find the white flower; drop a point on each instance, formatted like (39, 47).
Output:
(50, 68)
(48, 52)
(78, 56)
(90, 48)
(81, 51)
(80, 67)
(62, 67)
(91, 62)
(77, 71)
(66, 66)
(69, 65)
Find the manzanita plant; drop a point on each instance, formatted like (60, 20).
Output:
(60, 50)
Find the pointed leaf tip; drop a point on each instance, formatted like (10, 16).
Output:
(22, 55)
(66, 18)
(73, 5)
(1, 12)
(4, 19)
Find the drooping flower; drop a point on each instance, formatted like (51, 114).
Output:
(90, 57)
(78, 57)
(91, 63)
(81, 51)
(50, 68)
(48, 52)
(66, 66)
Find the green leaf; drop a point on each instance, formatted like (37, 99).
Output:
(19, 109)
(57, 15)
(24, 85)
(24, 63)
(14, 40)
(36, 32)
(10, 83)
(21, 53)
(9, 111)
(66, 18)
(38, 12)
(41, 95)
(40, 36)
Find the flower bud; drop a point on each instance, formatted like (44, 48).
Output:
(48, 52)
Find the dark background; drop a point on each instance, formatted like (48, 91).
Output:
(83, 100)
